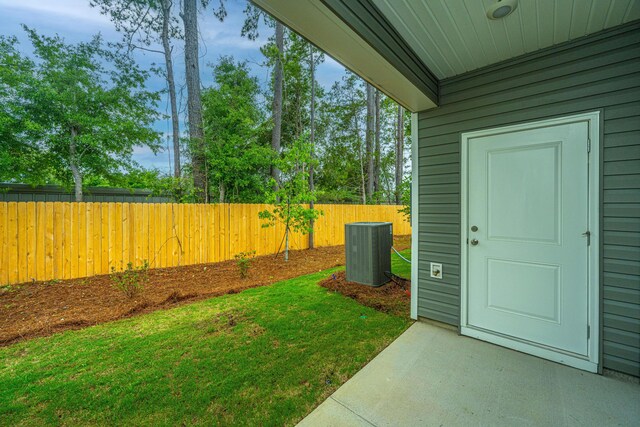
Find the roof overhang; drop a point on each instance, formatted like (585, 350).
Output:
(317, 23)
(406, 48)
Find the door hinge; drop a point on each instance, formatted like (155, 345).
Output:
(588, 332)
(587, 234)
(588, 145)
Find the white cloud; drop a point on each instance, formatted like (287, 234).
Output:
(148, 159)
(329, 61)
(226, 34)
(73, 10)
(233, 41)
(139, 150)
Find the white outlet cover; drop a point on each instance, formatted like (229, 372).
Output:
(436, 270)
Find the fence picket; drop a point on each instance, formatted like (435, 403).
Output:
(29, 221)
(4, 256)
(91, 238)
(104, 237)
(61, 240)
(81, 245)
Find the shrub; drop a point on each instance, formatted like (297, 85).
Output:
(132, 280)
(405, 198)
(243, 260)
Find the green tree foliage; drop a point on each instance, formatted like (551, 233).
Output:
(140, 22)
(237, 160)
(252, 18)
(145, 24)
(340, 128)
(73, 113)
(340, 176)
(76, 110)
(19, 159)
(405, 191)
(297, 84)
(386, 153)
(344, 169)
(297, 88)
(290, 200)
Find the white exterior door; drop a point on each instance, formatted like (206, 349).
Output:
(527, 223)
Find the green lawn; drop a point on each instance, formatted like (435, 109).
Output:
(399, 266)
(266, 356)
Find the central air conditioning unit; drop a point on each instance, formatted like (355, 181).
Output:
(368, 252)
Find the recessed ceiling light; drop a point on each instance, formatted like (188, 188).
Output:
(501, 8)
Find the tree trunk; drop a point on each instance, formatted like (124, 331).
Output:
(175, 120)
(312, 186)
(194, 103)
(376, 151)
(390, 193)
(74, 164)
(286, 232)
(370, 134)
(363, 189)
(276, 134)
(222, 191)
(399, 153)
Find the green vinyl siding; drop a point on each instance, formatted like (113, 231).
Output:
(599, 72)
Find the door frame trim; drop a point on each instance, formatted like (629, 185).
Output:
(592, 361)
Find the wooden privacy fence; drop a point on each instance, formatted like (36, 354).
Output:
(59, 240)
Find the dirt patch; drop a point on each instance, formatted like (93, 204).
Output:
(393, 298)
(43, 308)
(222, 322)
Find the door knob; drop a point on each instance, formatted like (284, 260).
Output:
(474, 242)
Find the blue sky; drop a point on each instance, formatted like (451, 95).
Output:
(76, 21)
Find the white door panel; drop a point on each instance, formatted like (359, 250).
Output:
(528, 196)
(523, 188)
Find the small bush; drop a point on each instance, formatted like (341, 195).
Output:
(132, 280)
(243, 260)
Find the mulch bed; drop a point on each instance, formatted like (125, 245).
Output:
(37, 309)
(393, 298)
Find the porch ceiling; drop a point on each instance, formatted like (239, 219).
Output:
(321, 26)
(405, 47)
(455, 36)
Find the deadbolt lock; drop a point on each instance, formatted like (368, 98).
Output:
(474, 228)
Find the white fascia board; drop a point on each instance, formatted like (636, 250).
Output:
(315, 22)
(415, 223)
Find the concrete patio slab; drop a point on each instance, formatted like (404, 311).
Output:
(432, 376)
